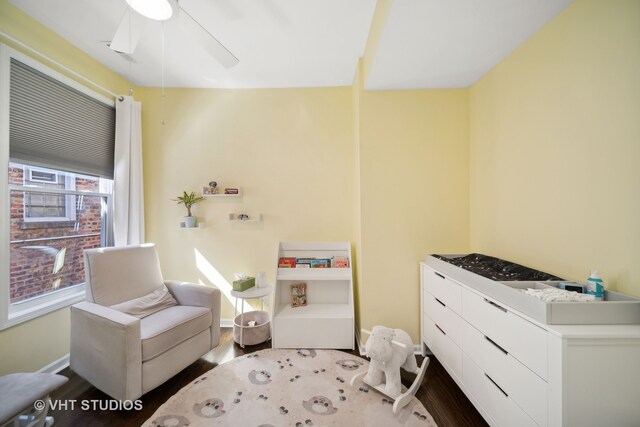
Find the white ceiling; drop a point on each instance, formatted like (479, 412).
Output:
(452, 43)
(307, 43)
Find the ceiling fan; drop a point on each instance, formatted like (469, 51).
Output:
(135, 20)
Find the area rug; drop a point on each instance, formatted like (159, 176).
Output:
(297, 388)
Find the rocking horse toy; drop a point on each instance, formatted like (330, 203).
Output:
(390, 350)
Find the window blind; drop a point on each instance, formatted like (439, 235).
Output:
(52, 124)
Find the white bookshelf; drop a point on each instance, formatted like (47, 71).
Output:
(327, 321)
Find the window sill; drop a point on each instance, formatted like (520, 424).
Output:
(31, 309)
(32, 224)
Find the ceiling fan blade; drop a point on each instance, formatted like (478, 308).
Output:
(128, 33)
(206, 40)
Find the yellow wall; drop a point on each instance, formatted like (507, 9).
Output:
(290, 150)
(36, 343)
(414, 192)
(536, 163)
(555, 148)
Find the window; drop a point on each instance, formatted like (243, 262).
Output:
(46, 255)
(40, 207)
(40, 175)
(55, 193)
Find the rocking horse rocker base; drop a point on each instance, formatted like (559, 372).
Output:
(386, 364)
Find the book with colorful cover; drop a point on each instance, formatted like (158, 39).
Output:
(304, 262)
(340, 262)
(287, 262)
(321, 263)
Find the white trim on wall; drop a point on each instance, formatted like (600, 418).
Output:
(11, 316)
(5, 53)
(226, 323)
(56, 366)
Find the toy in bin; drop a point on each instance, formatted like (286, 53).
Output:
(243, 282)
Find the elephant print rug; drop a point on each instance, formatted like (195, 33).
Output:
(299, 388)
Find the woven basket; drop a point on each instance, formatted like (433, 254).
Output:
(252, 335)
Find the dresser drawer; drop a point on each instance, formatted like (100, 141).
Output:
(525, 388)
(442, 288)
(444, 317)
(519, 337)
(447, 352)
(491, 395)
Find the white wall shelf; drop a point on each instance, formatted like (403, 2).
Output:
(221, 195)
(198, 225)
(327, 321)
(252, 218)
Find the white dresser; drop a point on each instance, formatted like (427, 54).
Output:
(520, 372)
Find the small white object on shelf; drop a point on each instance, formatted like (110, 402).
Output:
(245, 217)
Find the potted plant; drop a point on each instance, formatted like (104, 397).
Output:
(189, 200)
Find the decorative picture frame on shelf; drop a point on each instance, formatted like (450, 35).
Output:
(209, 190)
(299, 295)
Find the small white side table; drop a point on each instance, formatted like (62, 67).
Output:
(250, 293)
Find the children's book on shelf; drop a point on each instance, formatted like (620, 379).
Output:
(313, 263)
(340, 262)
(304, 262)
(321, 263)
(287, 262)
(298, 295)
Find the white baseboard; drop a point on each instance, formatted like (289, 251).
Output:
(226, 323)
(56, 366)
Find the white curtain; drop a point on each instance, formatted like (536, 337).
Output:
(128, 196)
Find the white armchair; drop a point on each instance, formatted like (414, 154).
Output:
(131, 334)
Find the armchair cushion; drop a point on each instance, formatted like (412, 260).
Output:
(168, 328)
(119, 274)
(146, 305)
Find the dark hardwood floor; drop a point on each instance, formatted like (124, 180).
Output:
(438, 393)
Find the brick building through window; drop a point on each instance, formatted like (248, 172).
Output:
(50, 230)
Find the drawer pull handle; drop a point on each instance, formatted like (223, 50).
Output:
(496, 345)
(499, 307)
(439, 275)
(441, 303)
(494, 383)
(440, 329)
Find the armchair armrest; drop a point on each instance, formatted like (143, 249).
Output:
(106, 349)
(200, 296)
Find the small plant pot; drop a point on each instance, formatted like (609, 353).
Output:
(189, 221)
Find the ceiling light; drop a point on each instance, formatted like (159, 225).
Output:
(158, 10)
